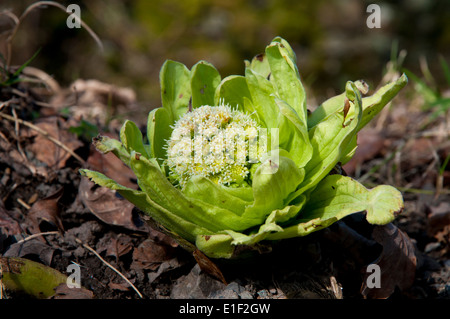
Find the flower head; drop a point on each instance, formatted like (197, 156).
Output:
(214, 142)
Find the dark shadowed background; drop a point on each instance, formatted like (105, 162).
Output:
(331, 39)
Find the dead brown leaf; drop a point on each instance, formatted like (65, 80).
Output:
(438, 218)
(124, 286)
(397, 262)
(418, 152)
(31, 248)
(112, 167)
(161, 238)
(115, 246)
(122, 246)
(94, 100)
(19, 163)
(64, 292)
(108, 206)
(47, 151)
(45, 210)
(149, 255)
(439, 222)
(208, 266)
(8, 225)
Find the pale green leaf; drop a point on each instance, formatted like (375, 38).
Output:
(270, 226)
(131, 138)
(293, 134)
(286, 48)
(158, 132)
(261, 91)
(327, 108)
(338, 196)
(286, 79)
(302, 228)
(26, 276)
(211, 216)
(259, 64)
(206, 191)
(145, 203)
(330, 139)
(175, 89)
(105, 144)
(204, 81)
(372, 105)
(232, 91)
(275, 179)
(215, 246)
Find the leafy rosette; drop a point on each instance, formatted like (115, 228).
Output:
(238, 162)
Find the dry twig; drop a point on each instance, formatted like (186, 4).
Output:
(31, 8)
(45, 134)
(21, 202)
(37, 235)
(110, 266)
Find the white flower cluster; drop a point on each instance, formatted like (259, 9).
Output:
(215, 142)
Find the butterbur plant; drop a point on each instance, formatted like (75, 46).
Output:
(238, 162)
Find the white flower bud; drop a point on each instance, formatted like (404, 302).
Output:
(215, 142)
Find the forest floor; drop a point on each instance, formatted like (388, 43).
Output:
(50, 214)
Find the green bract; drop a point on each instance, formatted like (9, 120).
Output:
(206, 194)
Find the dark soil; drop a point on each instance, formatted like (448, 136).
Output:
(330, 263)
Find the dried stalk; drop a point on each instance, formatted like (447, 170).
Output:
(109, 265)
(37, 235)
(45, 134)
(31, 8)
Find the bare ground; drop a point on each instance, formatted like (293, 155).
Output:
(42, 192)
